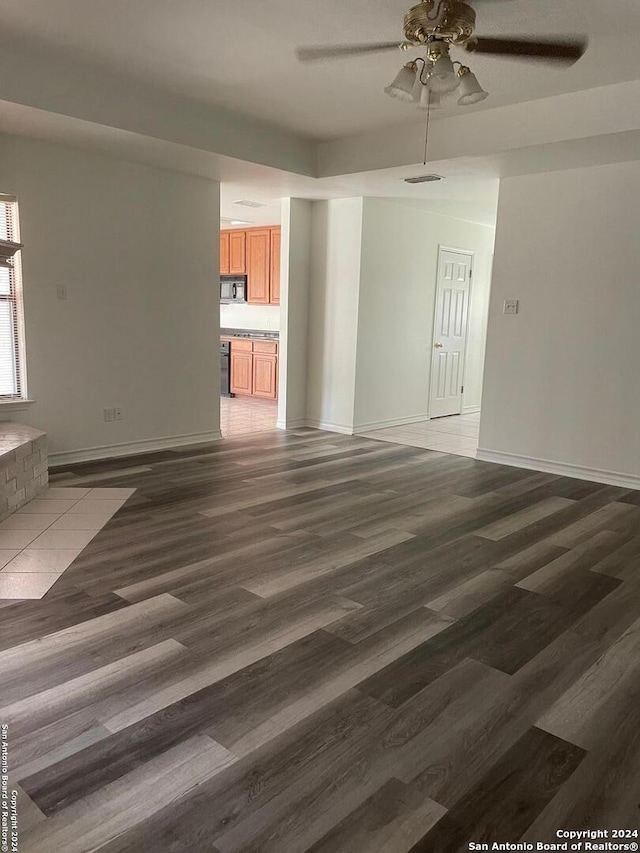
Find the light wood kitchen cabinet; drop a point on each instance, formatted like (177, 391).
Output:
(265, 375)
(258, 265)
(224, 253)
(254, 368)
(270, 347)
(241, 368)
(254, 252)
(237, 252)
(274, 277)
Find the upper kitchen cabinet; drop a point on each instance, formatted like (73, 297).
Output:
(254, 252)
(237, 252)
(275, 267)
(224, 253)
(259, 265)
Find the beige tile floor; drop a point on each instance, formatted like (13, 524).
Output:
(39, 542)
(243, 415)
(457, 434)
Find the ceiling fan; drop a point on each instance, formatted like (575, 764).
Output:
(436, 26)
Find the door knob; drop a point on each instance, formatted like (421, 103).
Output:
(438, 346)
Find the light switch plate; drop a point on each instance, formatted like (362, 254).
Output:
(510, 306)
(61, 292)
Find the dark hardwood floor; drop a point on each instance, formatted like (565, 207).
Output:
(311, 642)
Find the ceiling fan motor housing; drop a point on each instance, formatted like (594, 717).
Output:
(450, 20)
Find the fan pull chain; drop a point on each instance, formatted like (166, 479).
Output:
(426, 130)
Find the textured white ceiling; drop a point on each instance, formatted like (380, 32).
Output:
(240, 53)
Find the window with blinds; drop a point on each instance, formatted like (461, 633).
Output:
(12, 373)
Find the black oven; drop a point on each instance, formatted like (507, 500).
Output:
(225, 369)
(233, 288)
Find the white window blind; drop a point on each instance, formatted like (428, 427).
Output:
(12, 379)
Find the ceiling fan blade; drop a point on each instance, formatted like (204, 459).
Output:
(567, 51)
(341, 51)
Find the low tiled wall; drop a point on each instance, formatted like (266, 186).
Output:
(23, 465)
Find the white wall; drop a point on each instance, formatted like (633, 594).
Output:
(561, 380)
(137, 249)
(45, 79)
(396, 307)
(333, 312)
(265, 318)
(478, 320)
(295, 267)
(374, 264)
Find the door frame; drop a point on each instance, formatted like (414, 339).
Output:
(472, 255)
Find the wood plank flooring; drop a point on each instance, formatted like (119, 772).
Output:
(304, 642)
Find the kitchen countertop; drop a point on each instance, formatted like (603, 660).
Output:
(250, 334)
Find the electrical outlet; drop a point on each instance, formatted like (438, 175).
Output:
(117, 413)
(109, 415)
(61, 292)
(510, 306)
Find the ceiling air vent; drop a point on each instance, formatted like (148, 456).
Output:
(423, 179)
(247, 203)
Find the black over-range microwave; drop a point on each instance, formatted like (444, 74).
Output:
(233, 288)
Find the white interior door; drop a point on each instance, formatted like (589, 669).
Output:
(450, 333)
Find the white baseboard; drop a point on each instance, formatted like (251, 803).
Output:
(329, 427)
(564, 469)
(367, 427)
(293, 424)
(412, 419)
(113, 451)
(470, 410)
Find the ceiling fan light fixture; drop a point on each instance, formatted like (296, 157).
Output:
(471, 92)
(443, 86)
(402, 86)
(443, 68)
(442, 76)
(416, 92)
(433, 27)
(430, 100)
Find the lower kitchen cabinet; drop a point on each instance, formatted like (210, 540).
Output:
(265, 376)
(241, 372)
(254, 368)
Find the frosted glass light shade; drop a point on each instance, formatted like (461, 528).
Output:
(402, 86)
(416, 92)
(443, 78)
(443, 67)
(471, 92)
(430, 100)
